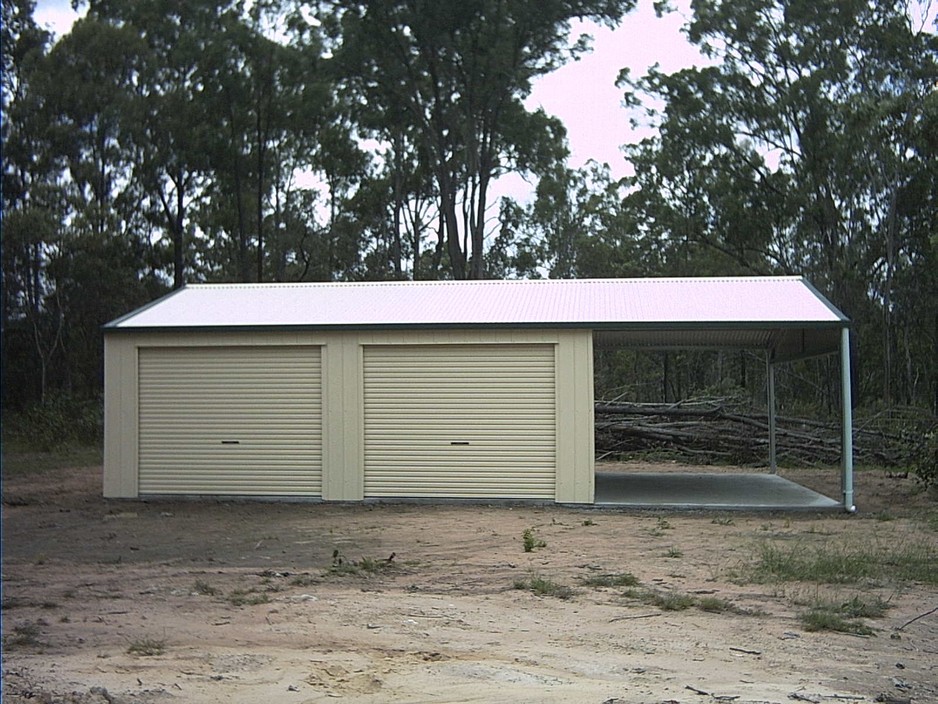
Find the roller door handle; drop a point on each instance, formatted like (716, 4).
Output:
(459, 442)
(230, 442)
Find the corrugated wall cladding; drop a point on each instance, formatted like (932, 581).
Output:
(460, 421)
(230, 420)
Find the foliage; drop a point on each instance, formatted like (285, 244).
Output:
(618, 579)
(542, 586)
(798, 151)
(24, 634)
(926, 464)
(530, 541)
(158, 143)
(147, 647)
(60, 422)
(841, 563)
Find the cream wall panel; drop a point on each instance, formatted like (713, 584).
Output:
(575, 441)
(120, 417)
(342, 461)
(460, 420)
(230, 420)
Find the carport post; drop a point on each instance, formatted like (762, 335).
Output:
(770, 375)
(847, 402)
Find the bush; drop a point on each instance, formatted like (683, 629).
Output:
(60, 421)
(925, 465)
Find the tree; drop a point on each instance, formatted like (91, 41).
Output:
(456, 73)
(791, 153)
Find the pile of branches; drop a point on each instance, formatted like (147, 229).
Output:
(725, 431)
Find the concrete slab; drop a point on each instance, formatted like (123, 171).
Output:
(706, 491)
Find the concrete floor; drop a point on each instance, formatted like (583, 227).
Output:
(706, 491)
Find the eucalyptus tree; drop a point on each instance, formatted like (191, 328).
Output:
(792, 152)
(32, 205)
(456, 74)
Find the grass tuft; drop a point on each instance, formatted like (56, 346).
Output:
(845, 564)
(147, 647)
(823, 620)
(531, 541)
(23, 635)
(542, 586)
(618, 579)
(366, 565)
(204, 588)
(672, 601)
(248, 597)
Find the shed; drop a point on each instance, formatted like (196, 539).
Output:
(445, 389)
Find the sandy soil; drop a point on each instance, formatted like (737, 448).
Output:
(85, 580)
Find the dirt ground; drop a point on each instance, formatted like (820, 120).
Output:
(237, 602)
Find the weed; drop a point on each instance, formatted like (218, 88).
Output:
(823, 620)
(531, 541)
(25, 634)
(247, 597)
(618, 579)
(145, 647)
(832, 563)
(674, 552)
(673, 601)
(723, 522)
(884, 517)
(589, 522)
(844, 616)
(861, 608)
(204, 588)
(716, 605)
(542, 586)
(664, 524)
(304, 580)
(366, 565)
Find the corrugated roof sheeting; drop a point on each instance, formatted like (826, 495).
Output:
(594, 303)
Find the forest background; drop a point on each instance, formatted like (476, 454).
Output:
(161, 142)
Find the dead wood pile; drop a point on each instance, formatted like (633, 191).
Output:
(726, 431)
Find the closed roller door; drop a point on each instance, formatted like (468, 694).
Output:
(474, 421)
(231, 420)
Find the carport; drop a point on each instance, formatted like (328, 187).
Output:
(785, 318)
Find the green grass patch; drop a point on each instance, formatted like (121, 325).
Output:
(678, 601)
(147, 647)
(844, 616)
(248, 597)
(842, 563)
(365, 566)
(672, 601)
(24, 635)
(204, 588)
(19, 460)
(617, 579)
(530, 541)
(542, 586)
(714, 605)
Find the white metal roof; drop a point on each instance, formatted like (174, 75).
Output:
(618, 306)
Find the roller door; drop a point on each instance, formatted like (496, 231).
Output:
(462, 421)
(230, 420)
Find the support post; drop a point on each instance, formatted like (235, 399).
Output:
(847, 422)
(770, 376)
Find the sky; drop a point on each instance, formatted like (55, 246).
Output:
(582, 93)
